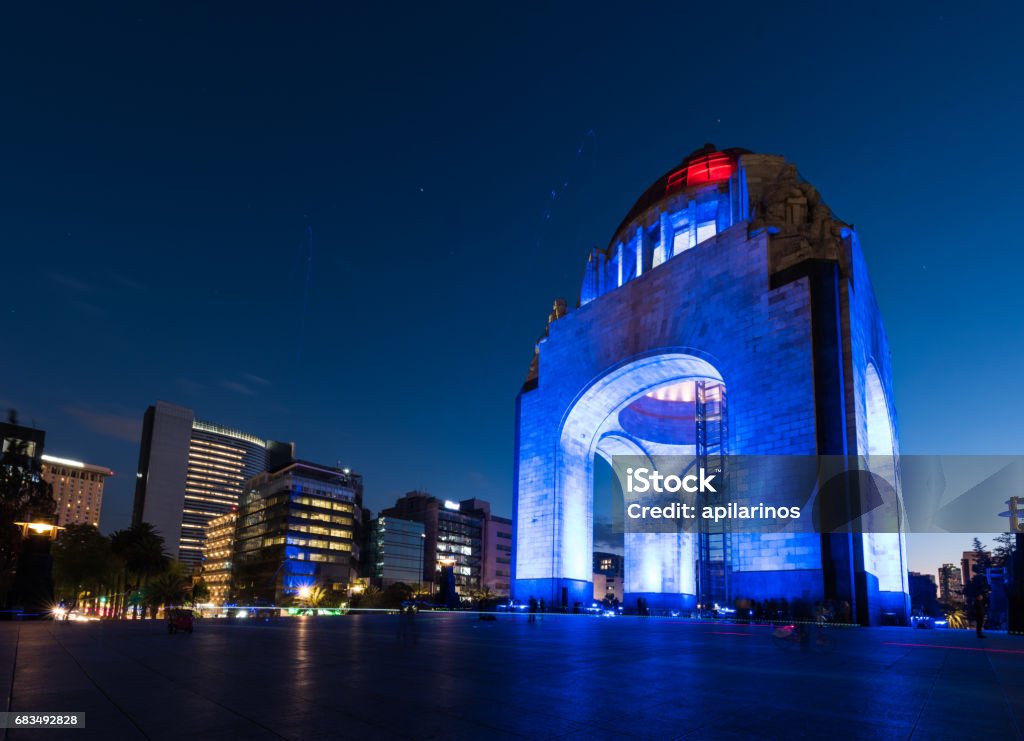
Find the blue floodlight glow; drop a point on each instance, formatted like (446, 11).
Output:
(695, 287)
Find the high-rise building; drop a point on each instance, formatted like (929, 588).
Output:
(969, 565)
(395, 552)
(609, 564)
(950, 586)
(923, 594)
(191, 471)
(498, 555)
(608, 576)
(298, 526)
(77, 489)
(218, 549)
(463, 536)
(454, 538)
(23, 445)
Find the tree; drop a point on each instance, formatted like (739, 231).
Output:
(956, 617)
(485, 599)
(168, 588)
(395, 594)
(1002, 554)
(24, 497)
(140, 551)
(977, 582)
(83, 563)
(368, 599)
(982, 558)
(200, 592)
(318, 596)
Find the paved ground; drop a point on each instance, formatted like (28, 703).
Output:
(569, 677)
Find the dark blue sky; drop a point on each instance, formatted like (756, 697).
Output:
(161, 167)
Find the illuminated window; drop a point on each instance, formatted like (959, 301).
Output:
(682, 241)
(706, 230)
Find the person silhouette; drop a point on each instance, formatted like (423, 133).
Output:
(979, 614)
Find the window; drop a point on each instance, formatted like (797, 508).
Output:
(706, 230)
(682, 241)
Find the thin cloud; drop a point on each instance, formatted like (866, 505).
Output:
(188, 386)
(238, 388)
(118, 426)
(68, 281)
(605, 536)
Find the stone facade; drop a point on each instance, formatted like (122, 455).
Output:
(768, 295)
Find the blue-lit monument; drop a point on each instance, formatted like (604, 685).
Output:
(731, 312)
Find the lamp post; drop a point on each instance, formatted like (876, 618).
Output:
(33, 580)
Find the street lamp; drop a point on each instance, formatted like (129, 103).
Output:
(47, 529)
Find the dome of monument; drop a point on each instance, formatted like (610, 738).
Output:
(705, 166)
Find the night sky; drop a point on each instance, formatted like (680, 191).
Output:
(163, 167)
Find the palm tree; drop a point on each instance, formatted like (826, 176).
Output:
(200, 592)
(956, 618)
(140, 550)
(167, 589)
(317, 597)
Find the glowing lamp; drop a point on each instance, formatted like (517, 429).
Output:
(47, 529)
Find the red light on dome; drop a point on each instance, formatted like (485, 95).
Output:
(708, 168)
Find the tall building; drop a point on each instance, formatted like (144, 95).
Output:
(395, 552)
(191, 471)
(23, 445)
(923, 594)
(968, 564)
(77, 489)
(608, 581)
(498, 555)
(297, 527)
(463, 536)
(454, 538)
(950, 585)
(730, 314)
(609, 564)
(218, 547)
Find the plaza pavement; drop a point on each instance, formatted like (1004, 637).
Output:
(453, 676)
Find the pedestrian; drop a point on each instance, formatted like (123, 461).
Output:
(979, 614)
(533, 609)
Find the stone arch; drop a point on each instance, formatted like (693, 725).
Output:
(590, 427)
(884, 540)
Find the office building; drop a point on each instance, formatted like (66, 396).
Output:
(218, 548)
(498, 555)
(496, 546)
(951, 588)
(454, 538)
(298, 527)
(395, 552)
(191, 471)
(463, 537)
(77, 489)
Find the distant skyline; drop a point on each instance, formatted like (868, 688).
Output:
(346, 229)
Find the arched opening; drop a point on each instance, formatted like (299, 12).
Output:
(659, 405)
(885, 548)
